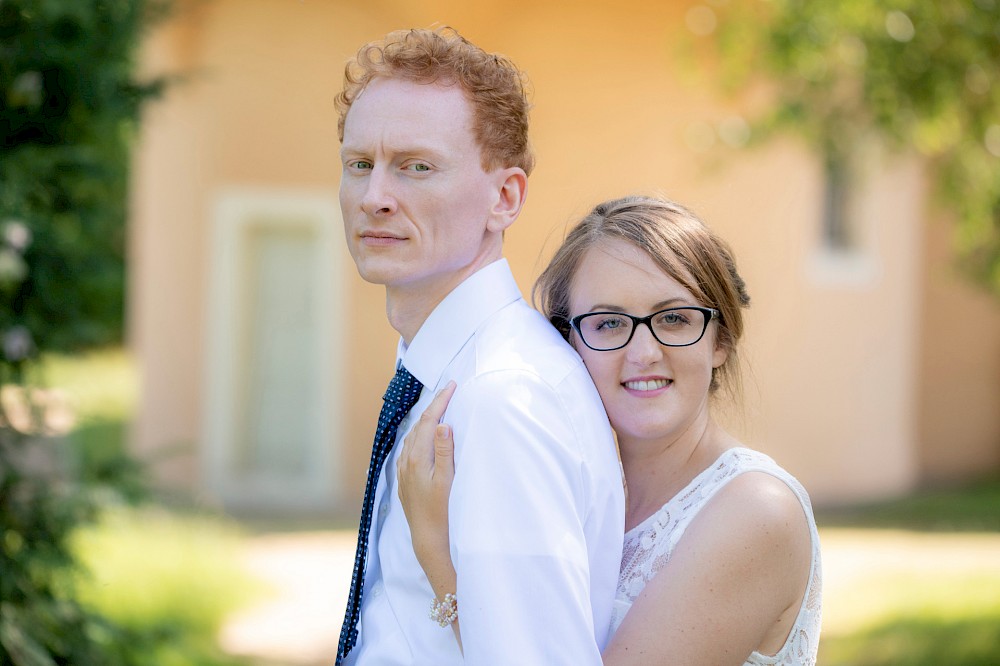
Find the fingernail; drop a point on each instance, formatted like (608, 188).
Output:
(443, 431)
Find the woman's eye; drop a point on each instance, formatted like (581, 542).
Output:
(610, 323)
(673, 319)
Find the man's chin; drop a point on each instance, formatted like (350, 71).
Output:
(374, 277)
(375, 274)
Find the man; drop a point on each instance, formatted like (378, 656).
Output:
(435, 164)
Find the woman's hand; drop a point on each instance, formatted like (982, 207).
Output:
(425, 470)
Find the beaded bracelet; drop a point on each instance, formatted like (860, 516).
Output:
(444, 612)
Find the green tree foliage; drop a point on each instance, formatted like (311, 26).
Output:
(40, 623)
(68, 106)
(922, 75)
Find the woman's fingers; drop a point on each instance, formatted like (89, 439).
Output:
(444, 453)
(439, 404)
(417, 460)
(425, 471)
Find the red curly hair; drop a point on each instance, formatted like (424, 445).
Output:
(492, 83)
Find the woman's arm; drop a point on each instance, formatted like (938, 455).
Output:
(425, 471)
(734, 583)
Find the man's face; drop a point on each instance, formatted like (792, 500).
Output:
(415, 199)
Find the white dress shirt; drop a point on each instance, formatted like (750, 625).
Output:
(537, 509)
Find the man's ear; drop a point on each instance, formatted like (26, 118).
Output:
(512, 191)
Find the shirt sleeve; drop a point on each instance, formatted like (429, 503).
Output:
(517, 514)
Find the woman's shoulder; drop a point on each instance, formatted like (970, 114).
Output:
(753, 487)
(755, 527)
(740, 460)
(761, 498)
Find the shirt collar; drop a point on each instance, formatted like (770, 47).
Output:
(455, 319)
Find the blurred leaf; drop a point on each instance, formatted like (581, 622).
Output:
(922, 75)
(69, 105)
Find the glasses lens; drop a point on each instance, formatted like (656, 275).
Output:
(676, 327)
(605, 330)
(679, 326)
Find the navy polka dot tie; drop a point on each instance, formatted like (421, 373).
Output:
(402, 394)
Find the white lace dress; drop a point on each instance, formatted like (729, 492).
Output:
(649, 545)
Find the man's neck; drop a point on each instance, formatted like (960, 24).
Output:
(408, 312)
(407, 307)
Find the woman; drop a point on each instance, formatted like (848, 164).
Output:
(721, 561)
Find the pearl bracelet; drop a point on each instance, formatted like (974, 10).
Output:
(444, 612)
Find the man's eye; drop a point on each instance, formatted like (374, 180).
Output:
(361, 164)
(418, 166)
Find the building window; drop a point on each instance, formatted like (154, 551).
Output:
(844, 254)
(837, 232)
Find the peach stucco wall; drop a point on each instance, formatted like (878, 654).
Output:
(959, 391)
(837, 402)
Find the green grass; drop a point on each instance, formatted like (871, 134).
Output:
(939, 602)
(100, 387)
(913, 640)
(168, 578)
(148, 564)
(972, 508)
(175, 576)
(951, 619)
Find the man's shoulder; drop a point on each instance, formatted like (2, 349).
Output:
(519, 338)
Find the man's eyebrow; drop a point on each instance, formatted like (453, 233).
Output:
(404, 150)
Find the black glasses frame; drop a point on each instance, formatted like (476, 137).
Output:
(710, 314)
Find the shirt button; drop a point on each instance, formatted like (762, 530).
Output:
(383, 510)
(377, 589)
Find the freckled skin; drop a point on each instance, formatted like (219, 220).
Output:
(639, 288)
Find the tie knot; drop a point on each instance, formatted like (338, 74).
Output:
(404, 390)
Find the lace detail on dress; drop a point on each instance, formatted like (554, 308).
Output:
(649, 545)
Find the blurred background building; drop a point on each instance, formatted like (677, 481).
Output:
(872, 367)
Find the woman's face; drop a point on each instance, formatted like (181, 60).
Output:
(650, 391)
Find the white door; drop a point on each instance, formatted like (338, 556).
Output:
(273, 367)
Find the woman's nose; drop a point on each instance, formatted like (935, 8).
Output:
(643, 348)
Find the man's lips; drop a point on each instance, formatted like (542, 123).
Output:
(380, 238)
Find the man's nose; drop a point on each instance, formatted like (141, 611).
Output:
(378, 199)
